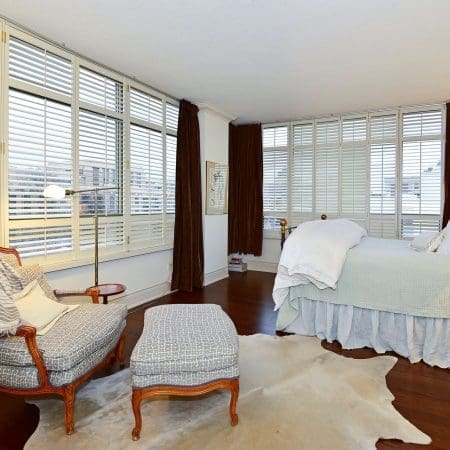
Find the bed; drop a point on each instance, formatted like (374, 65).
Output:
(387, 297)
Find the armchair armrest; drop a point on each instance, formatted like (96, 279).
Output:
(29, 333)
(90, 292)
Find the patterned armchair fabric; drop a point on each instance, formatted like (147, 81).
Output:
(76, 343)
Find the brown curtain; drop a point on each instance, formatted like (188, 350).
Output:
(188, 260)
(446, 213)
(245, 204)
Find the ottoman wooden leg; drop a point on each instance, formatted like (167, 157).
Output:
(136, 402)
(234, 388)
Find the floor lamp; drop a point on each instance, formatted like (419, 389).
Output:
(53, 191)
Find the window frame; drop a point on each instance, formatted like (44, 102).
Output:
(78, 257)
(272, 233)
(399, 140)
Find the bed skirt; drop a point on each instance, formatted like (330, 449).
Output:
(415, 338)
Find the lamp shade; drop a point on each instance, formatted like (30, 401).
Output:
(54, 191)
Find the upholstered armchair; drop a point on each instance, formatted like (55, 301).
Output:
(80, 343)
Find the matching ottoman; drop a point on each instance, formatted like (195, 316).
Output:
(185, 350)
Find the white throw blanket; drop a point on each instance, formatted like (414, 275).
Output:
(315, 253)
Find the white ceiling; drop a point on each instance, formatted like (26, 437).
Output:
(262, 60)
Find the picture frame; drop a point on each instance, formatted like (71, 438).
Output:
(216, 188)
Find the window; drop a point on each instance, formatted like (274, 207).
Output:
(80, 126)
(421, 172)
(382, 170)
(354, 156)
(327, 167)
(302, 169)
(275, 167)
(383, 175)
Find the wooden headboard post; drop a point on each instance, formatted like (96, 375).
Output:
(283, 223)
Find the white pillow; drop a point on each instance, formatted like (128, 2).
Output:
(428, 241)
(43, 331)
(35, 308)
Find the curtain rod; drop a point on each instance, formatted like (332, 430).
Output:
(63, 47)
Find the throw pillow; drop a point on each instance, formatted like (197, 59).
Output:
(35, 308)
(35, 272)
(10, 283)
(427, 241)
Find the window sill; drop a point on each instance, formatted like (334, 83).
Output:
(63, 265)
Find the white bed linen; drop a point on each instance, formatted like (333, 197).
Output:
(315, 253)
(415, 338)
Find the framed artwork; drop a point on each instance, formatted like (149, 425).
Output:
(216, 188)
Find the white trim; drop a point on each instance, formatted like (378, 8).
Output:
(202, 106)
(216, 275)
(143, 296)
(262, 266)
(52, 267)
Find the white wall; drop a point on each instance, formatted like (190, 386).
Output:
(214, 147)
(268, 261)
(146, 276)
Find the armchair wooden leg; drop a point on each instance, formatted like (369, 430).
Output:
(120, 354)
(69, 394)
(136, 399)
(234, 388)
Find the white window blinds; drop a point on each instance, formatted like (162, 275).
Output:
(172, 117)
(146, 107)
(146, 165)
(100, 156)
(39, 67)
(354, 168)
(421, 172)
(327, 167)
(302, 172)
(100, 90)
(77, 125)
(100, 162)
(152, 170)
(383, 175)
(39, 154)
(275, 167)
(382, 170)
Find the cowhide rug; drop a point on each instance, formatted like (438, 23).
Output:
(294, 395)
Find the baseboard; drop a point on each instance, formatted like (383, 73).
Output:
(262, 266)
(146, 295)
(217, 275)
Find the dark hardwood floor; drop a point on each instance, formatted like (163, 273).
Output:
(422, 393)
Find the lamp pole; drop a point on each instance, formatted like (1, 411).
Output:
(96, 237)
(54, 191)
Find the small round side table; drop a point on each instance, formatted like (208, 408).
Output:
(107, 289)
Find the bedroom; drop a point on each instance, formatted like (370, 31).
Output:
(335, 108)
